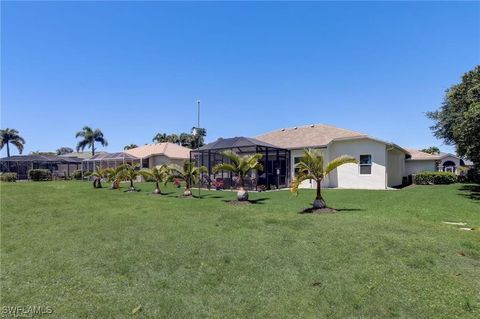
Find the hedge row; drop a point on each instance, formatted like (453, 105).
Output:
(430, 178)
(40, 175)
(8, 177)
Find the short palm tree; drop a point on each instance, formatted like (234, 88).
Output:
(160, 173)
(241, 166)
(11, 136)
(311, 166)
(98, 174)
(130, 146)
(188, 173)
(130, 172)
(114, 176)
(89, 137)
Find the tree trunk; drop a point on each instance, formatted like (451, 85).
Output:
(187, 192)
(8, 149)
(157, 188)
(93, 149)
(319, 202)
(242, 194)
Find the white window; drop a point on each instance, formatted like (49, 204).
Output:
(365, 164)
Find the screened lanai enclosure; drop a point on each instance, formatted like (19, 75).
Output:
(275, 161)
(111, 160)
(61, 167)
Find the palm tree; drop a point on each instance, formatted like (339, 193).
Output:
(160, 138)
(160, 173)
(89, 137)
(11, 136)
(115, 176)
(130, 172)
(173, 138)
(99, 173)
(185, 139)
(130, 146)
(311, 166)
(189, 173)
(241, 166)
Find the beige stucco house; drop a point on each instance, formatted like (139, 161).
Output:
(381, 163)
(160, 153)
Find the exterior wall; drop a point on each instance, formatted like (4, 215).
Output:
(417, 166)
(162, 159)
(453, 159)
(307, 184)
(348, 175)
(395, 167)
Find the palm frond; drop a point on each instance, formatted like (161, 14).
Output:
(344, 159)
(225, 167)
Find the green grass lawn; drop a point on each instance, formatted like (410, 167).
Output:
(92, 253)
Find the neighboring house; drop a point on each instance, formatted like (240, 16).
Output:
(381, 164)
(160, 153)
(421, 161)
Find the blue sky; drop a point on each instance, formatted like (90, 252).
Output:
(136, 68)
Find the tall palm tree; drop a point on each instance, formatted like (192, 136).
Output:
(185, 139)
(130, 172)
(89, 137)
(11, 136)
(311, 166)
(160, 138)
(188, 173)
(160, 173)
(241, 166)
(130, 146)
(173, 138)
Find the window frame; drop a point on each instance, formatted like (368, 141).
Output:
(360, 165)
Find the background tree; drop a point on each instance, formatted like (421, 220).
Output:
(89, 137)
(64, 150)
(457, 121)
(431, 150)
(160, 138)
(240, 166)
(311, 166)
(188, 173)
(11, 136)
(130, 146)
(43, 153)
(198, 140)
(173, 138)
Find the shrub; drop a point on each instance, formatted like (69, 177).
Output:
(430, 178)
(40, 175)
(77, 174)
(8, 177)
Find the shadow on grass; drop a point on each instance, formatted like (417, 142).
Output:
(329, 210)
(250, 201)
(471, 191)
